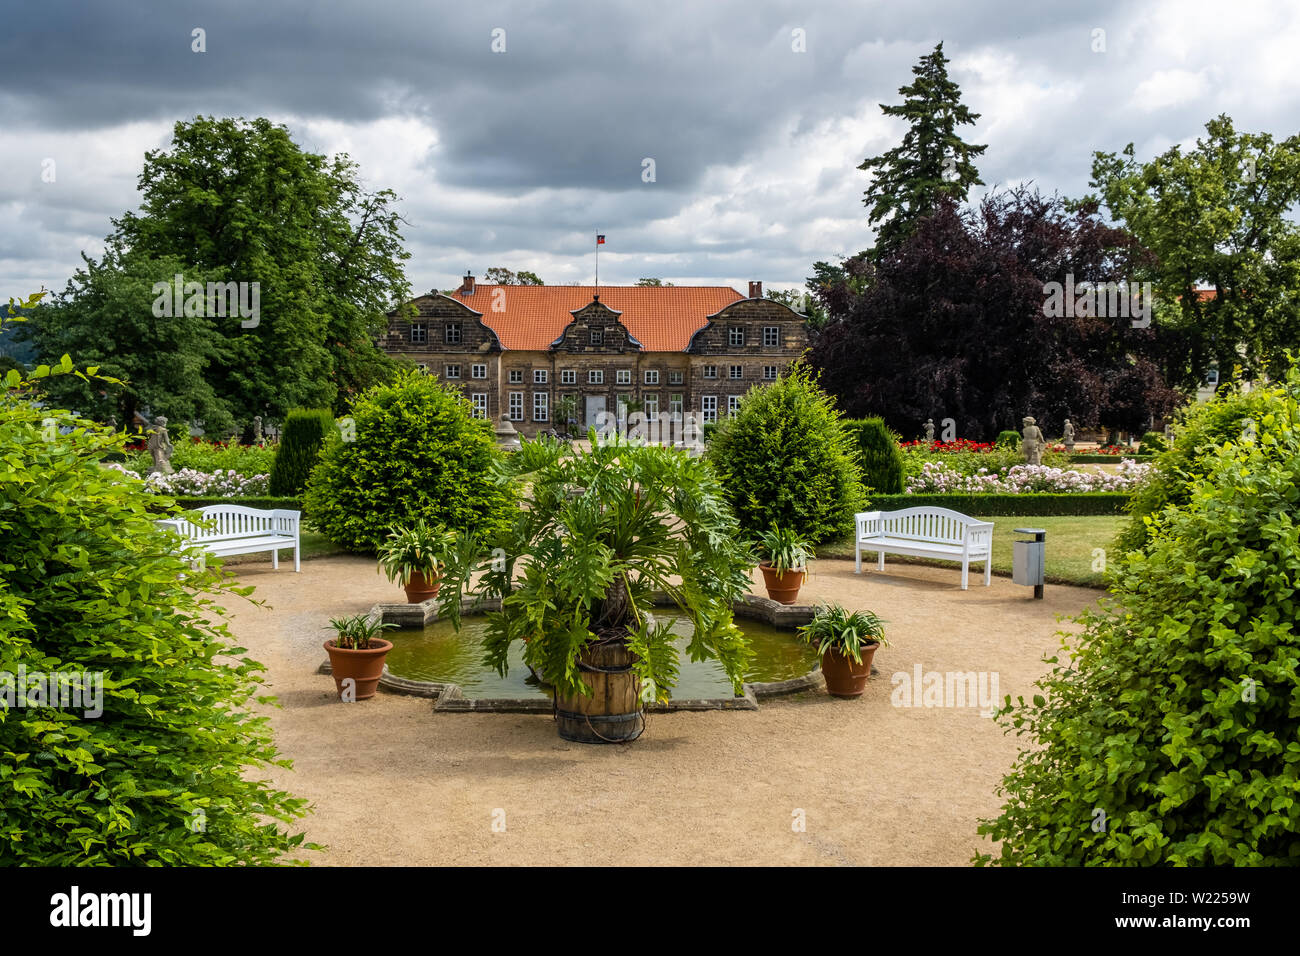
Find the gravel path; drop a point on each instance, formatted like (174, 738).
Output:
(392, 783)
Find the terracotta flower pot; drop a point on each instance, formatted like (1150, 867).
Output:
(421, 588)
(362, 667)
(782, 587)
(845, 677)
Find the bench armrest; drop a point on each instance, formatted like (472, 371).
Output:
(979, 532)
(866, 523)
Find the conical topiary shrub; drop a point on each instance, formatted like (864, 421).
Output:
(881, 458)
(301, 439)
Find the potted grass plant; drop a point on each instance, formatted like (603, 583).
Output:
(413, 556)
(357, 654)
(784, 564)
(847, 642)
(600, 533)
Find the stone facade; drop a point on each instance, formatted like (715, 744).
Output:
(597, 359)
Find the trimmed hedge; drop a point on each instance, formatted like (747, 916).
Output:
(1008, 439)
(1095, 503)
(879, 456)
(417, 452)
(786, 459)
(304, 434)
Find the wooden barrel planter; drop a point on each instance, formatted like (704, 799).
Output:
(612, 714)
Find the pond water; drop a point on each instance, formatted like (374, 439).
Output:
(441, 654)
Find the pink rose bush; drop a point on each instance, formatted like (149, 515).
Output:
(190, 483)
(938, 478)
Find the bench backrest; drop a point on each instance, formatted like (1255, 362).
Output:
(926, 524)
(224, 522)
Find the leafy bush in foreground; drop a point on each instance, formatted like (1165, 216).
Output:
(1201, 428)
(1170, 735)
(88, 585)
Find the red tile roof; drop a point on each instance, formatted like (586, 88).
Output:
(661, 318)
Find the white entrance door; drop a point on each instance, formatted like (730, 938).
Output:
(595, 405)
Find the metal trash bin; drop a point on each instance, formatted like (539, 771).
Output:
(1029, 559)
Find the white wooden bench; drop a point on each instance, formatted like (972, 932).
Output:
(234, 529)
(926, 532)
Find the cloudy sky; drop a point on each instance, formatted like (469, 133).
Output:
(756, 114)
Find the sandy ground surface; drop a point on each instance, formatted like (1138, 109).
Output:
(393, 783)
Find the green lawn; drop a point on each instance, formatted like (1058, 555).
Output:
(1070, 543)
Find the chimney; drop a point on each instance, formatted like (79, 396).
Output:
(467, 286)
(755, 289)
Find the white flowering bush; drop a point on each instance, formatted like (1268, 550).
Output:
(202, 484)
(938, 478)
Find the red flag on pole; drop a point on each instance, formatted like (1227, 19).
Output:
(600, 240)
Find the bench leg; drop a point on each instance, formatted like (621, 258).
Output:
(880, 564)
(297, 565)
(857, 557)
(965, 575)
(988, 570)
(275, 560)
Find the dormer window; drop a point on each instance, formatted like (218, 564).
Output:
(597, 336)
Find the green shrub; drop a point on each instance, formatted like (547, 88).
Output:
(787, 460)
(89, 586)
(301, 439)
(1153, 443)
(413, 450)
(1200, 428)
(880, 459)
(206, 456)
(1168, 734)
(1008, 439)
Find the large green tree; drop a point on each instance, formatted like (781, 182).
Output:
(105, 318)
(932, 161)
(1220, 214)
(238, 200)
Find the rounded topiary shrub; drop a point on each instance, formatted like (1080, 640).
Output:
(1008, 439)
(409, 449)
(1201, 428)
(787, 459)
(881, 459)
(127, 736)
(301, 439)
(1168, 735)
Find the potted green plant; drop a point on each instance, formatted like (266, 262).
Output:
(413, 556)
(601, 531)
(847, 642)
(357, 655)
(784, 564)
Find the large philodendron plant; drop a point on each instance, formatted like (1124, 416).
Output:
(598, 532)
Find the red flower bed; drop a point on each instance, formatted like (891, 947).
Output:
(961, 444)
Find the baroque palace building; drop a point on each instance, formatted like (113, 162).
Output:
(516, 350)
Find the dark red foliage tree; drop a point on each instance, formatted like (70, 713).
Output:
(953, 325)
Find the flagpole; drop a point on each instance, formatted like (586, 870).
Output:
(596, 293)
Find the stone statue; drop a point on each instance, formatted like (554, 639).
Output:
(929, 429)
(160, 447)
(1069, 437)
(257, 429)
(111, 424)
(1032, 441)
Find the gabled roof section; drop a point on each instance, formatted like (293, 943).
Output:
(659, 318)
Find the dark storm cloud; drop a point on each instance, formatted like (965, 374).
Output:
(553, 132)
